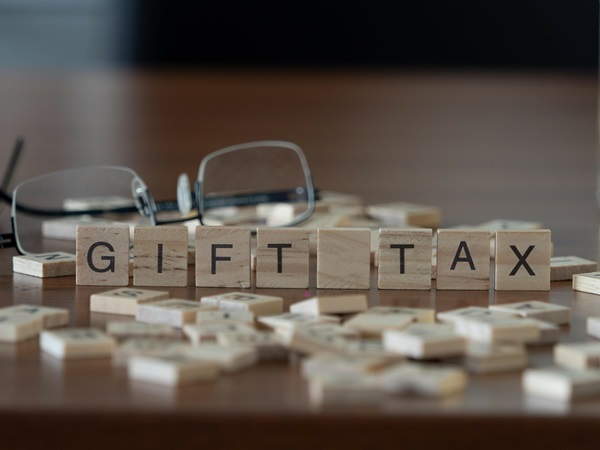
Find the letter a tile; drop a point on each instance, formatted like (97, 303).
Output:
(102, 255)
(523, 260)
(223, 257)
(463, 260)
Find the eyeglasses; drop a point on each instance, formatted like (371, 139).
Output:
(253, 184)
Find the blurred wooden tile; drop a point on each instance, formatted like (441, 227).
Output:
(77, 343)
(173, 312)
(502, 224)
(321, 338)
(463, 260)
(454, 315)
(19, 327)
(51, 317)
(593, 326)
(223, 257)
(282, 258)
(404, 259)
(291, 320)
(268, 346)
(534, 309)
(578, 355)
(45, 265)
(102, 255)
(325, 364)
(171, 369)
(331, 304)
(138, 329)
(423, 380)
(124, 300)
(201, 333)
(523, 260)
(549, 334)
(373, 323)
(147, 346)
(485, 358)
(564, 267)
(425, 341)
(493, 329)
(238, 316)
(561, 384)
(259, 305)
(345, 389)
(229, 359)
(587, 282)
(401, 214)
(343, 258)
(160, 256)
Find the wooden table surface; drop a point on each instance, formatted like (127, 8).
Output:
(479, 145)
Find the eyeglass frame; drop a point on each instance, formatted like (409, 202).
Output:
(150, 208)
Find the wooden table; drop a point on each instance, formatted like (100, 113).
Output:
(480, 146)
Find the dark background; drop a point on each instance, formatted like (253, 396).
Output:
(521, 34)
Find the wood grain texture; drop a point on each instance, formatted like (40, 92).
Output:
(103, 255)
(343, 258)
(463, 260)
(124, 301)
(282, 258)
(160, 256)
(45, 265)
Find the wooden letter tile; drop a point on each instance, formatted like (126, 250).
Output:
(260, 305)
(19, 327)
(564, 267)
(578, 355)
(174, 312)
(463, 260)
(282, 256)
(534, 309)
(587, 282)
(173, 369)
(560, 384)
(223, 257)
(523, 260)
(77, 343)
(405, 259)
(124, 300)
(343, 258)
(45, 265)
(425, 341)
(102, 255)
(51, 317)
(160, 256)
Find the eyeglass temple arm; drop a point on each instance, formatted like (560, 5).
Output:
(254, 199)
(12, 163)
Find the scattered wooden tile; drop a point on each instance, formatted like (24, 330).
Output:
(484, 358)
(578, 355)
(77, 343)
(454, 315)
(223, 257)
(160, 256)
(493, 329)
(587, 282)
(463, 260)
(534, 309)
(423, 315)
(173, 312)
(124, 301)
(201, 333)
(290, 320)
(51, 317)
(593, 326)
(425, 341)
(147, 346)
(314, 339)
(137, 329)
(45, 265)
(238, 316)
(424, 380)
(564, 267)
(259, 305)
(523, 260)
(340, 364)
(343, 258)
(19, 327)
(102, 255)
(561, 384)
(404, 259)
(371, 347)
(374, 322)
(549, 333)
(349, 389)
(400, 214)
(332, 304)
(269, 346)
(229, 359)
(171, 369)
(282, 258)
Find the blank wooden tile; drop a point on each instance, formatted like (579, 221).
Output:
(124, 300)
(400, 214)
(138, 329)
(260, 305)
(424, 380)
(173, 312)
(19, 327)
(463, 260)
(291, 320)
(51, 317)
(587, 282)
(564, 267)
(373, 323)
(523, 260)
(578, 355)
(331, 304)
(485, 358)
(102, 255)
(425, 341)
(282, 258)
(223, 257)
(343, 258)
(561, 384)
(171, 370)
(229, 359)
(77, 343)
(533, 309)
(160, 256)
(404, 259)
(45, 265)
